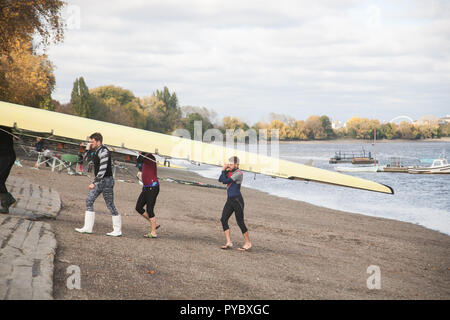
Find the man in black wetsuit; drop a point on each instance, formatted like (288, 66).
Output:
(232, 177)
(7, 158)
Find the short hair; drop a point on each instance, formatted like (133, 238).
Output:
(234, 160)
(97, 136)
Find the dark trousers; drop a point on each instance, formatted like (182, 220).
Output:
(235, 205)
(147, 197)
(106, 187)
(6, 163)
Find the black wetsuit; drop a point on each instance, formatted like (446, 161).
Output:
(235, 202)
(7, 156)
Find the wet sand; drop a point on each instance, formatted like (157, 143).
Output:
(300, 251)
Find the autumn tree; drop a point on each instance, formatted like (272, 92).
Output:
(118, 105)
(281, 127)
(21, 20)
(408, 131)
(428, 131)
(233, 123)
(361, 128)
(26, 78)
(113, 94)
(298, 131)
(316, 130)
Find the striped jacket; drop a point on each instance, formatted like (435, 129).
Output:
(102, 163)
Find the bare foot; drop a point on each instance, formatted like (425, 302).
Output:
(227, 246)
(245, 247)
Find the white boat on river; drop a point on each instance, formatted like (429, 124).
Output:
(371, 168)
(438, 166)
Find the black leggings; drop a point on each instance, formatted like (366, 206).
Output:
(147, 197)
(235, 205)
(6, 163)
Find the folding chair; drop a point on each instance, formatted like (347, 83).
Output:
(68, 161)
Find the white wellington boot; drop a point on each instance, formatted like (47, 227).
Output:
(117, 226)
(89, 218)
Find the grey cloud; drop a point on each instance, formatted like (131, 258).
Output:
(251, 58)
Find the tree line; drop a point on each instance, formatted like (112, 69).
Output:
(160, 112)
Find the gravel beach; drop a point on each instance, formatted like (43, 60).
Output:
(300, 251)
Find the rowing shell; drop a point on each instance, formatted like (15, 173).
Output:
(78, 128)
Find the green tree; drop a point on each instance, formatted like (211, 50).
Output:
(81, 101)
(388, 131)
(167, 110)
(444, 130)
(189, 123)
(326, 125)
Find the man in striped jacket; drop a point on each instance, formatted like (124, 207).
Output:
(103, 183)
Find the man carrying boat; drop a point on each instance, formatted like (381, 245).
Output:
(7, 158)
(103, 183)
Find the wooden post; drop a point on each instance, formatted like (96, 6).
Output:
(375, 145)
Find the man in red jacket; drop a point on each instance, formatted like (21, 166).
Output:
(149, 193)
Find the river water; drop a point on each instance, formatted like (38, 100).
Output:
(419, 199)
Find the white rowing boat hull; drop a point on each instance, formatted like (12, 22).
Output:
(360, 169)
(77, 128)
(428, 170)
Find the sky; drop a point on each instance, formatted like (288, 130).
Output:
(374, 59)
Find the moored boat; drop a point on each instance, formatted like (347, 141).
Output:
(371, 168)
(438, 166)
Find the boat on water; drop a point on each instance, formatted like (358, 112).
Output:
(395, 165)
(361, 158)
(352, 157)
(372, 168)
(438, 166)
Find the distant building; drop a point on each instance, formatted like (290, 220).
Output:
(444, 120)
(427, 120)
(337, 124)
